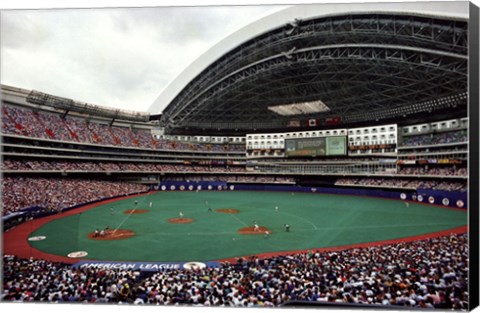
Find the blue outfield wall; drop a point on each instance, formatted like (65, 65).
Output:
(453, 199)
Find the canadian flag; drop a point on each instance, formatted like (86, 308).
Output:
(312, 122)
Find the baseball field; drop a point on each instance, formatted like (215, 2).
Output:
(208, 226)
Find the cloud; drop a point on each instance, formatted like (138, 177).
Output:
(115, 57)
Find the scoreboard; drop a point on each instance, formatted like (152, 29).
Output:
(318, 146)
(336, 145)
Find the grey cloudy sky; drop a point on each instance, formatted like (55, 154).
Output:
(117, 57)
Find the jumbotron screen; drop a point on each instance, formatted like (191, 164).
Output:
(318, 146)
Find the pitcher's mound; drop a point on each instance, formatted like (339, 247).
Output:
(250, 231)
(112, 235)
(135, 211)
(182, 220)
(228, 211)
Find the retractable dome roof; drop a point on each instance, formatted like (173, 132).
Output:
(352, 63)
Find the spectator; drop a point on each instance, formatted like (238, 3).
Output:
(55, 194)
(50, 125)
(430, 273)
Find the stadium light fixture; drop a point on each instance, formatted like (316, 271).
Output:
(302, 108)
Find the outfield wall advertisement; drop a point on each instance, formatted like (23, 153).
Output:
(144, 266)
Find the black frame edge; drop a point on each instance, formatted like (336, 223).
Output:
(473, 186)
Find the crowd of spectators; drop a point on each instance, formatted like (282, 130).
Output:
(324, 159)
(403, 183)
(231, 178)
(49, 125)
(54, 126)
(434, 171)
(103, 166)
(437, 149)
(55, 194)
(450, 186)
(324, 168)
(424, 274)
(435, 138)
(100, 166)
(20, 121)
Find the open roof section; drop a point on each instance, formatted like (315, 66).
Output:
(366, 62)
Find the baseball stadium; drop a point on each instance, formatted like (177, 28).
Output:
(316, 157)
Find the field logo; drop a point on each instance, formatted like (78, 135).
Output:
(232, 187)
(431, 199)
(37, 238)
(460, 203)
(420, 198)
(164, 187)
(403, 196)
(445, 201)
(219, 188)
(314, 189)
(172, 187)
(77, 254)
(194, 265)
(209, 187)
(199, 187)
(182, 187)
(190, 187)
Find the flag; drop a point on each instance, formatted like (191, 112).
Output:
(333, 120)
(312, 122)
(293, 123)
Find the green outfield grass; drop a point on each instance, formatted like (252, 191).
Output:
(316, 221)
